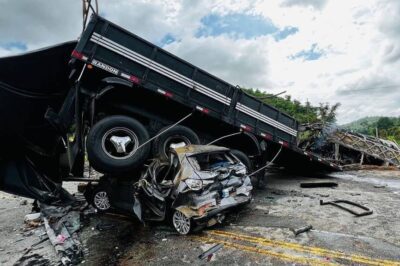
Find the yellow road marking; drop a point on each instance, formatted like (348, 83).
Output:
(307, 249)
(269, 253)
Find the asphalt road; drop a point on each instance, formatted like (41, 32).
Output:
(261, 233)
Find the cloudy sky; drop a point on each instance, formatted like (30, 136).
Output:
(332, 51)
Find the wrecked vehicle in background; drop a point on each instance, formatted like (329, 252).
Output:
(349, 149)
(195, 188)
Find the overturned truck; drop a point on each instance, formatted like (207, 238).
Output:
(121, 100)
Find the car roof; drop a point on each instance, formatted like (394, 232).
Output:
(198, 149)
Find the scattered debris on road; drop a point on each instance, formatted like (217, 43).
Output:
(62, 225)
(302, 230)
(318, 184)
(336, 203)
(208, 254)
(33, 217)
(104, 226)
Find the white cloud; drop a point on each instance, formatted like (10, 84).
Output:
(240, 62)
(39, 23)
(359, 45)
(318, 4)
(359, 39)
(7, 52)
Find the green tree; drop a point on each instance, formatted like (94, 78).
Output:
(385, 123)
(304, 113)
(327, 113)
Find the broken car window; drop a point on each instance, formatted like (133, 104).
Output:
(210, 161)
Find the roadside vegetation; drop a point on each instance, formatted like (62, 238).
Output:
(304, 113)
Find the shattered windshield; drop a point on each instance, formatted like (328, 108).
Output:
(210, 161)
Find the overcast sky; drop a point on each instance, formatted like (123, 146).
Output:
(332, 51)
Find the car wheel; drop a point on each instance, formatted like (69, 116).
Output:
(112, 144)
(181, 223)
(175, 135)
(100, 200)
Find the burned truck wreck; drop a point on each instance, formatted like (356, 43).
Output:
(349, 149)
(195, 188)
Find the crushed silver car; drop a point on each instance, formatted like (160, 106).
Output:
(195, 188)
(200, 182)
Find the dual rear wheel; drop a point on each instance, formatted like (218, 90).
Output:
(117, 144)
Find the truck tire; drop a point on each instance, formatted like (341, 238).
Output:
(244, 159)
(112, 142)
(176, 134)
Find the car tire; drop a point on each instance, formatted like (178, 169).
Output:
(112, 142)
(244, 159)
(181, 223)
(174, 135)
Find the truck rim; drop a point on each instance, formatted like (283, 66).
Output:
(174, 140)
(181, 223)
(119, 143)
(101, 201)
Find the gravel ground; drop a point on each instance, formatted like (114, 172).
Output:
(261, 233)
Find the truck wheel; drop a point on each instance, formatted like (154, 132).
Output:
(112, 143)
(244, 159)
(175, 135)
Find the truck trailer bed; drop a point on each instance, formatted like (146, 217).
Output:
(115, 50)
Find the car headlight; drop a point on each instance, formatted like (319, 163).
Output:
(194, 184)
